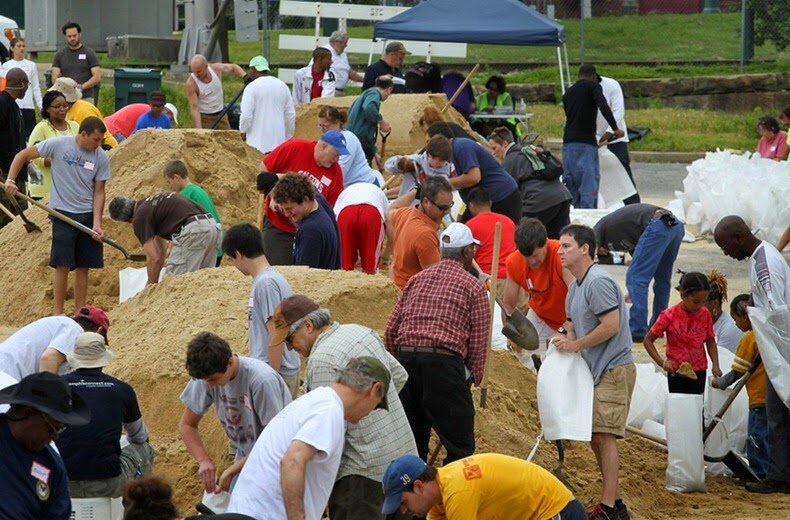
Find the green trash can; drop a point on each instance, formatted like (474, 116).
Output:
(134, 85)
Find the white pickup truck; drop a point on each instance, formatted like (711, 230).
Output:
(8, 30)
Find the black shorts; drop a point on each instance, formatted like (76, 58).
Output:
(73, 248)
(684, 385)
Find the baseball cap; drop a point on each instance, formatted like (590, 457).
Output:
(374, 369)
(259, 63)
(157, 97)
(173, 110)
(96, 316)
(395, 47)
(337, 140)
(289, 311)
(458, 235)
(400, 474)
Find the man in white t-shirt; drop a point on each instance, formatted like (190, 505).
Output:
(769, 277)
(338, 41)
(42, 346)
(291, 470)
(268, 116)
(246, 394)
(361, 211)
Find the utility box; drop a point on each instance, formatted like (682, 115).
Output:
(134, 85)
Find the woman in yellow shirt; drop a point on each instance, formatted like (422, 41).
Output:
(53, 124)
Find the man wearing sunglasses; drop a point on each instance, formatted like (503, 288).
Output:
(415, 245)
(34, 477)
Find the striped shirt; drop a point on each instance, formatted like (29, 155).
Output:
(444, 306)
(383, 435)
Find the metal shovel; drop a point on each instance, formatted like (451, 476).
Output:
(521, 331)
(85, 229)
(30, 226)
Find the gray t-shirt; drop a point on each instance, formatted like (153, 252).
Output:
(74, 173)
(245, 405)
(77, 64)
(595, 295)
(269, 288)
(536, 194)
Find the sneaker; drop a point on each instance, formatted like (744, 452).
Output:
(622, 510)
(596, 512)
(768, 486)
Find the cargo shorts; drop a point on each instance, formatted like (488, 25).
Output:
(612, 399)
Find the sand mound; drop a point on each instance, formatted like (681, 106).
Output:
(150, 332)
(219, 161)
(402, 111)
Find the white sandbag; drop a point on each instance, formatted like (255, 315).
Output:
(565, 396)
(771, 327)
(648, 397)
(217, 502)
(132, 281)
(732, 431)
(654, 428)
(498, 340)
(587, 217)
(726, 183)
(685, 462)
(615, 184)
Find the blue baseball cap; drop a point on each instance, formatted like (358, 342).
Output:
(400, 474)
(337, 140)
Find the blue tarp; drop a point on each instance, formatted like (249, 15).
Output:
(503, 22)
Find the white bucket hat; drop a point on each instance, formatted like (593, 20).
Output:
(90, 351)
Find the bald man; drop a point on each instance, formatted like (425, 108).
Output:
(769, 277)
(12, 130)
(204, 91)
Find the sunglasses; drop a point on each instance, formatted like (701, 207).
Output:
(55, 428)
(289, 338)
(442, 207)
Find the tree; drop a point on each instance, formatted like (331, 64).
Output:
(771, 22)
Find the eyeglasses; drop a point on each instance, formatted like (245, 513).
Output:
(442, 207)
(59, 107)
(324, 126)
(289, 338)
(55, 428)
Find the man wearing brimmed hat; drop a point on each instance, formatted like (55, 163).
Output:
(155, 117)
(79, 109)
(389, 65)
(44, 344)
(96, 464)
(291, 470)
(317, 241)
(486, 485)
(438, 331)
(193, 232)
(34, 477)
(328, 346)
(268, 116)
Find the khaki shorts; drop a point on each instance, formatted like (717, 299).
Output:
(206, 120)
(612, 399)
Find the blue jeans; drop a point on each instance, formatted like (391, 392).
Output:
(582, 174)
(653, 259)
(777, 436)
(756, 444)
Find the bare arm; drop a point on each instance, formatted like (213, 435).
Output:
(713, 352)
(188, 428)
(94, 80)
(50, 360)
(652, 351)
(191, 91)
(276, 356)
(99, 197)
(154, 260)
(292, 475)
(608, 327)
(784, 240)
(403, 201)
(510, 295)
(355, 76)
(228, 68)
(20, 159)
(56, 73)
(470, 178)
(227, 476)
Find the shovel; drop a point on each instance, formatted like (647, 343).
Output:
(30, 226)
(521, 331)
(85, 229)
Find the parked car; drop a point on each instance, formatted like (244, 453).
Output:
(8, 30)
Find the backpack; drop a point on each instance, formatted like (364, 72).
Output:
(545, 166)
(423, 77)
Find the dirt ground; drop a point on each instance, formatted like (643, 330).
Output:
(149, 332)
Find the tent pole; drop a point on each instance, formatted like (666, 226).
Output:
(370, 56)
(559, 65)
(567, 67)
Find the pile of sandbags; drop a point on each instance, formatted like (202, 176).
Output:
(726, 183)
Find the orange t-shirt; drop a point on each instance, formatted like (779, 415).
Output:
(546, 288)
(415, 244)
(482, 227)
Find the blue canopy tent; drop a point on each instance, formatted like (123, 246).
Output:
(499, 22)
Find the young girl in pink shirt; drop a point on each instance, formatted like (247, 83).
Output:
(688, 327)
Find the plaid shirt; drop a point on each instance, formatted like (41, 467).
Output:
(444, 306)
(383, 435)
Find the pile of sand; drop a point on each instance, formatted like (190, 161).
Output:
(402, 112)
(219, 161)
(150, 332)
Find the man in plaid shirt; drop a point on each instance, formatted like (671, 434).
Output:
(378, 438)
(439, 333)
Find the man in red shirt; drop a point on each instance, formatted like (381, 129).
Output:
(536, 269)
(415, 245)
(315, 159)
(482, 224)
(438, 331)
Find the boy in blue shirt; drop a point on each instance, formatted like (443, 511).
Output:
(156, 117)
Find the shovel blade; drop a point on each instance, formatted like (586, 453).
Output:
(521, 331)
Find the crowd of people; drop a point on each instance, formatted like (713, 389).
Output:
(349, 431)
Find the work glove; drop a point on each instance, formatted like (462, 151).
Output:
(265, 182)
(417, 191)
(247, 79)
(405, 164)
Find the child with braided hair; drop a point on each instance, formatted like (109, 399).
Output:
(727, 333)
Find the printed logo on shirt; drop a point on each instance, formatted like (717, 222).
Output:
(42, 491)
(326, 180)
(317, 184)
(473, 472)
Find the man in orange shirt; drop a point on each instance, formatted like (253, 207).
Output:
(536, 268)
(482, 225)
(415, 244)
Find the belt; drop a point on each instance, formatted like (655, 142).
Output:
(195, 218)
(665, 215)
(339, 89)
(436, 349)
(211, 113)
